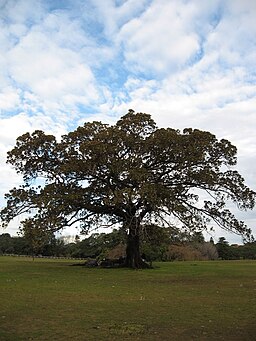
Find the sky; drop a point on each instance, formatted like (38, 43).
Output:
(188, 63)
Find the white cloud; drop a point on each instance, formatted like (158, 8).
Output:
(234, 36)
(112, 17)
(9, 99)
(25, 12)
(46, 55)
(160, 40)
(12, 127)
(49, 71)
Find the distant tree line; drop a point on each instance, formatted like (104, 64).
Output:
(226, 251)
(23, 246)
(160, 245)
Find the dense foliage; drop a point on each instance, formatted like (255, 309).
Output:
(131, 174)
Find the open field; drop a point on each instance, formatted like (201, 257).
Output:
(50, 300)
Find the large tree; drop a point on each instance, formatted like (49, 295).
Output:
(132, 174)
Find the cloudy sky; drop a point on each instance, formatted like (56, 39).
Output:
(189, 63)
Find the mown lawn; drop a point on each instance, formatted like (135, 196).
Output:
(51, 300)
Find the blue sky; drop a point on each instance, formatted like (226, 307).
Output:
(188, 63)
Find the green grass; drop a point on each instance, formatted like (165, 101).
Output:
(50, 300)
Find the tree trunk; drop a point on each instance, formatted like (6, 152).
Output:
(133, 257)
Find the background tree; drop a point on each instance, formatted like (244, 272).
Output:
(21, 246)
(53, 247)
(224, 249)
(129, 174)
(36, 236)
(155, 241)
(247, 251)
(6, 243)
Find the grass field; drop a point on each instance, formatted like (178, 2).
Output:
(50, 300)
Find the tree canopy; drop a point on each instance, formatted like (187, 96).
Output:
(132, 175)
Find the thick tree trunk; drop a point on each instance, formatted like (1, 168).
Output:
(133, 257)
